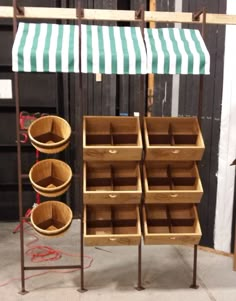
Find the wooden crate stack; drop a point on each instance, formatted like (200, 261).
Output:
(171, 180)
(113, 186)
(112, 150)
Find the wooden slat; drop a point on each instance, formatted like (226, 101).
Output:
(115, 15)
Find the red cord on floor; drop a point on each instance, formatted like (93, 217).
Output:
(41, 253)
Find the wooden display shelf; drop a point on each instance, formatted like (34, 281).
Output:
(172, 182)
(173, 138)
(115, 138)
(171, 224)
(111, 225)
(112, 183)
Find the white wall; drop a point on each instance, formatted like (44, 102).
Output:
(227, 146)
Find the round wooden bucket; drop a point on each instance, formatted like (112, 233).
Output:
(51, 217)
(50, 177)
(50, 134)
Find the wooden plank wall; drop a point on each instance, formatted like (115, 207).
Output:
(215, 36)
(101, 94)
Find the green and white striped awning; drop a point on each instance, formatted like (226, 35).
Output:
(55, 48)
(176, 51)
(108, 50)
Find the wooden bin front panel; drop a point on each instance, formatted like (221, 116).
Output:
(112, 183)
(172, 182)
(173, 138)
(111, 225)
(112, 138)
(171, 224)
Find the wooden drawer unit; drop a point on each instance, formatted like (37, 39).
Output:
(112, 138)
(112, 183)
(173, 138)
(171, 224)
(172, 182)
(111, 225)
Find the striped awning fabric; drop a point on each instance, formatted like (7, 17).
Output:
(41, 47)
(176, 51)
(55, 48)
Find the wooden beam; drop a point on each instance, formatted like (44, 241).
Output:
(115, 15)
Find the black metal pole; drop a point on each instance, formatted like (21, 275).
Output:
(140, 15)
(79, 146)
(201, 82)
(19, 169)
(194, 284)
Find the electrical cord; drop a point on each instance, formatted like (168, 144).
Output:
(42, 253)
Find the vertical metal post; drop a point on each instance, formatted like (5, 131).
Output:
(194, 284)
(79, 157)
(140, 15)
(19, 170)
(201, 82)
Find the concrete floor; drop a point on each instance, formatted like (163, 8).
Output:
(166, 272)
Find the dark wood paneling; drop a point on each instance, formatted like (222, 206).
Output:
(211, 112)
(6, 40)
(163, 83)
(135, 81)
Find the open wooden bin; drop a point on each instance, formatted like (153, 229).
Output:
(171, 224)
(172, 182)
(111, 225)
(51, 217)
(112, 183)
(112, 138)
(173, 138)
(50, 177)
(50, 134)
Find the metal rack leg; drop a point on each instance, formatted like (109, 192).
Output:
(82, 288)
(23, 290)
(139, 287)
(194, 284)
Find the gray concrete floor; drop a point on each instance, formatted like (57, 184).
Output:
(166, 272)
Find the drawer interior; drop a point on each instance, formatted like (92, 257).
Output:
(111, 131)
(112, 176)
(177, 218)
(171, 176)
(172, 131)
(111, 219)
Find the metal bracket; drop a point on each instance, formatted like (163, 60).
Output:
(138, 14)
(20, 10)
(79, 12)
(196, 15)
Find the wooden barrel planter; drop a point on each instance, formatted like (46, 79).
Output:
(50, 134)
(51, 218)
(50, 177)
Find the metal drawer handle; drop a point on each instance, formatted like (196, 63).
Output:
(112, 239)
(112, 196)
(176, 151)
(174, 195)
(173, 238)
(112, 151)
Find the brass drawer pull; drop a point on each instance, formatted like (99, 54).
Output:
(175, 151)
(112, 239)
(173, 237)
(112, 151)
(174, 195)
(112, 196)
